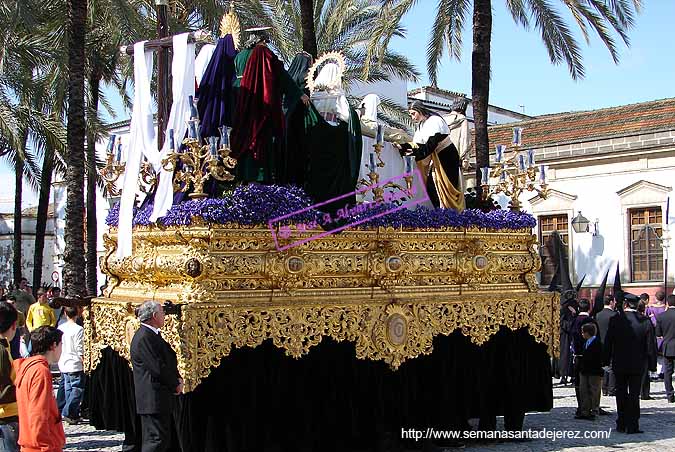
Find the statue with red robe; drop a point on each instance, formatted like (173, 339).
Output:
(257, 138)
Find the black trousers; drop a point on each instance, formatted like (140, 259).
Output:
(156, 430)
(628, 401)
(668, 366)
(645, 384)
(608, 381)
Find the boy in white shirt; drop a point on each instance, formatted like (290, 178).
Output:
(69, 396)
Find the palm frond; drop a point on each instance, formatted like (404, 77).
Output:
(557, 37)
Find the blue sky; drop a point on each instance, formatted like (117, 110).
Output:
(522, 73)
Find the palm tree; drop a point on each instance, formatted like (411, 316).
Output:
(601, 16)
(340, 25)
(23, 125)
(74, 269)
(308, 31)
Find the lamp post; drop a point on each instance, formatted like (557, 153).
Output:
(665, 244)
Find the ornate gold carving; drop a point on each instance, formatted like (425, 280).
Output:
(390, 292)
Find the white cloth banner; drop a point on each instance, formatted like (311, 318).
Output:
(183, 71)
(142, 141)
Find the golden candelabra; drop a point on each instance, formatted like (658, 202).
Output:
(113, 168)
(374, 178)
(514, 174)
(199, 162)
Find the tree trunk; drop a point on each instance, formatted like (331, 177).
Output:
(92, 233)
(42, 215)
(480, 82)
(18, 195)
(308, 31)
(74, 268)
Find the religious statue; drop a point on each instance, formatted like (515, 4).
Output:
(293, 164)
(333, 132)
(258, 126)
(437, 157)
(394, 165)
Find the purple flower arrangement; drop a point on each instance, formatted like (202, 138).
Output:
(255, 204)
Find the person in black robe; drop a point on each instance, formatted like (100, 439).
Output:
(568, 312)
(293, 166)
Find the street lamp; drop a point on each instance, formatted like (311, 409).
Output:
(580, 223)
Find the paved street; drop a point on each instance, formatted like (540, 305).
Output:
(657, 421)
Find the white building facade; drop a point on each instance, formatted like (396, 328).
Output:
(617, 167)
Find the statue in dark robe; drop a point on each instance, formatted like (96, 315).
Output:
(258, 127)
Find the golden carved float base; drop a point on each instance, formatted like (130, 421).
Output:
(388, 292)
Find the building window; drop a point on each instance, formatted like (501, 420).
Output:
(547, 225)
(646, 254)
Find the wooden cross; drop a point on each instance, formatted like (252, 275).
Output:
(161, 45)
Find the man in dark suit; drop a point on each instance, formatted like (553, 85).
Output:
(602, 318)
(665, 328)
(156, 378)
(630, 345)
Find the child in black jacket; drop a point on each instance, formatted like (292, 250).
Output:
(591, 372)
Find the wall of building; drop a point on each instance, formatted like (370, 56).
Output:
(50, 256)
(604, 179)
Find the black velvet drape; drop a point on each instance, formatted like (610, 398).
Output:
(259, 399)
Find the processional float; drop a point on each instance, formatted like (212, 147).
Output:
(391, 291)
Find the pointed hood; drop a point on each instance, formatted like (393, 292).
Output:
(599, 299)
(617, 281)
(617, 291)
(581, 282)
(561, 280)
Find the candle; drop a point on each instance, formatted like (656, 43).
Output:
(530, 157)
(542, 174)
(225, 136)
(521, 162)
(111, 144)
(213, 146)
(371, 166)
(485, 175)
(499, 152)
(192, 128)
(194, 114)
(409, 163)
(517, 135)
(172, 141)
(118, 157)
(379, 138)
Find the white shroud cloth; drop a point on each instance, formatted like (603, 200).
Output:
(202, 61)
(142, 140)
